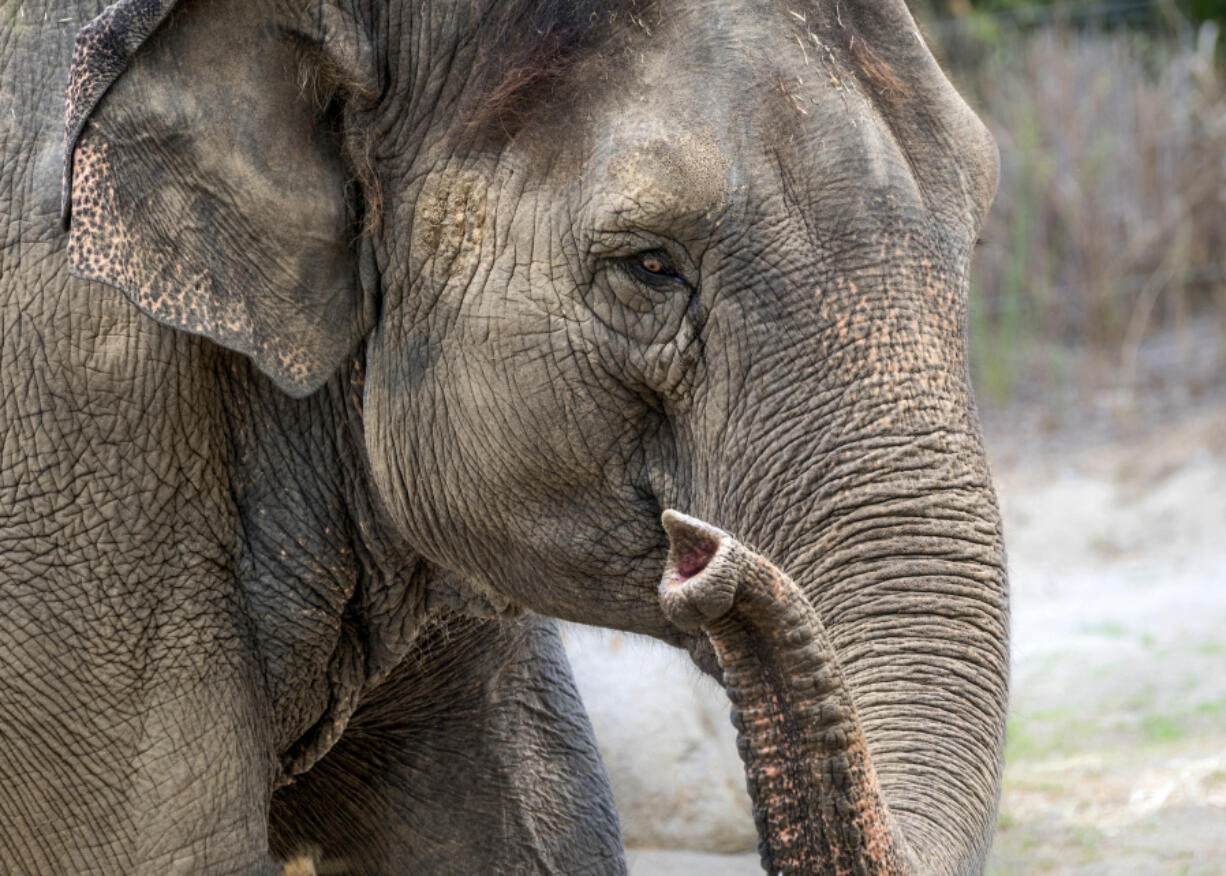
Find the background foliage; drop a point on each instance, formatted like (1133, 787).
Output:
(1110, 223)
(1109, 11)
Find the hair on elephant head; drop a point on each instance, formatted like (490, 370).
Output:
(597, 261)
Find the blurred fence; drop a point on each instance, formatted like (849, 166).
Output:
(1110, 221)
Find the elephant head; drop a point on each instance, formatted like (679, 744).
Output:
(597, 262)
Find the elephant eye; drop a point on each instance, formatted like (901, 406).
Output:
(653, 264)
(654, 267)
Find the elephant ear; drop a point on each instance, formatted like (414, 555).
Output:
(206, 178)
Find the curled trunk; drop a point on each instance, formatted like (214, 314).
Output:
(817, 801)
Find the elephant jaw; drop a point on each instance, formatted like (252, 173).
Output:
(817, 803)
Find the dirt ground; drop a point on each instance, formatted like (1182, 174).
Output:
(1116, 756)
(1115, 518)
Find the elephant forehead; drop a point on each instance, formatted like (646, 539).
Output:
(684, 170)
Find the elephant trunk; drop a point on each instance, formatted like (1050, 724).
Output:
(816, 799)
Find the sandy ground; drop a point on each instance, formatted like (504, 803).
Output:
(1116, 757)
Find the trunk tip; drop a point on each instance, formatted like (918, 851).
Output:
(690, 594)
(691, 543)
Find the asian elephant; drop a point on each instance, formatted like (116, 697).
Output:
(344, 342)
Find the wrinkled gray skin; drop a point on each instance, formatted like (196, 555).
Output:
(242, 580)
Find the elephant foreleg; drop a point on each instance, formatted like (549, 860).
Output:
(474, 757)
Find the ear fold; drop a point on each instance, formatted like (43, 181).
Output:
(205, 184)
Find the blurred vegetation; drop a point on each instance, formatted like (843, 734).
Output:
(1110, 221)
(1110, 12)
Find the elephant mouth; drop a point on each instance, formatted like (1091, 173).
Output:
(702, 653)
(817, 803)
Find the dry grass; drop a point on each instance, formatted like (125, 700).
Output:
(1110, 222)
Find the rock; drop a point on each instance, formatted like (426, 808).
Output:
(666, 739)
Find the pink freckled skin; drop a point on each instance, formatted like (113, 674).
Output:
(694, 559)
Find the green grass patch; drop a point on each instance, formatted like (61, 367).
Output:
(1212, 708)
(1132, 724)
(1209, 649)
(1142, 701)
(1109, 629)
(1162, 729)
(1041, 846)
(1043, 732)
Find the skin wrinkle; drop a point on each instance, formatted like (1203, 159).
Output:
(117, 395)
(511, 419)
